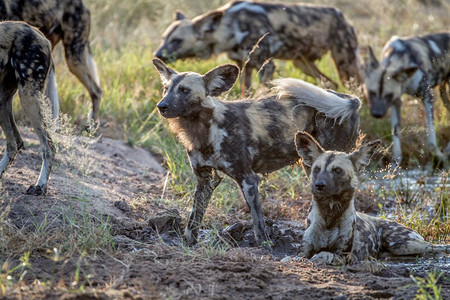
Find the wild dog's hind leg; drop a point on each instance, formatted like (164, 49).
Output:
(400, 240)
(207, 181)
(13, 140)
(249, 186)
(309, 68)
(76, 27)
(30, 94)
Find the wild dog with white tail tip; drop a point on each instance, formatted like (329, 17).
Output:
(68, 21)
(336, 233)
(411, 66)
(253, 33)
(243, 138)
(26, 65)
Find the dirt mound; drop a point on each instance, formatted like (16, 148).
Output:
(103, 232)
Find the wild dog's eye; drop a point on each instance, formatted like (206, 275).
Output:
(388, 97)
(184, 90)
(175, 42)
(316, 170)
(337, 171)
(372, 94)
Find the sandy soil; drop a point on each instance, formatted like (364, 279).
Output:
(124, 185)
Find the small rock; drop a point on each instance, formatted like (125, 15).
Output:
(286, 259)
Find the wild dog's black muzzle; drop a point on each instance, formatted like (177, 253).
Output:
(162, 107)
(320, 185)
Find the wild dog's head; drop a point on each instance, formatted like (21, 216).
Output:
(185, 93)
(189, 38)
(385, 80)
(333, 172)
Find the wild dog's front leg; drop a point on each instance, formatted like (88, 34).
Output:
(431, 137)
(327, 258)
(395, 123)
(249, 186)
(207, 181)
(266, 71)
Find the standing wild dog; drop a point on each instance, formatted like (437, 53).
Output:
(243, 138)
(68, 21)
(26, 65)
(411, 66)
(298, 32)
(334, 226)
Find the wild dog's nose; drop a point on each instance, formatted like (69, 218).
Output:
(162, 106)
(320, 185)
(377, 113)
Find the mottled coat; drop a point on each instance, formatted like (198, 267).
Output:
(68, 21)
(411, 66)
(246, 137)
(336, 232)
(26, 65)
(299, 32)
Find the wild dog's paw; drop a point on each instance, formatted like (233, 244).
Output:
(36, 190)
(326, 258)
(189, 238)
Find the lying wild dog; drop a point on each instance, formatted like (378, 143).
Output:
(243, 138)
(27, 66)
(411, 66)
(334, 226)
(302, 33)
(66, 21)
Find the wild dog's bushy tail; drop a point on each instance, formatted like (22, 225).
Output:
(52, 92)
(333, 105)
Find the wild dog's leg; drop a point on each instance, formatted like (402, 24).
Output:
(310, 69)
(29, 95)
(207, 181)
(327, 258)
(397, 148)
(266, 72)
(247, 79)
(249, 186)
(444, 93)
(13, 140)
(431, 137)
(401, 240)
(76, 27)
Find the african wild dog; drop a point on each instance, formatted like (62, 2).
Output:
(334, 226)
(411, 66)
(243, 138)
(299, 32)
(26, 65)
(67, 21)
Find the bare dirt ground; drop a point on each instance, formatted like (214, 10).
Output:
(109, 182)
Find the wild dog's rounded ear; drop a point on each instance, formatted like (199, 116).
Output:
(207, 23)
(220, 79)
(361, 157)
(178, 15)
(404, 74)
(164, 71)
(371, 62)
(307, 147)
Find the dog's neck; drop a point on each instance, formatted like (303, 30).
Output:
(192, 130)
(332, 211)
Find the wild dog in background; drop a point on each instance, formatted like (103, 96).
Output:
(411, 66)
(26, 65)
(68, 21)
(298, 32)
(243, 138)
(334, 226)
